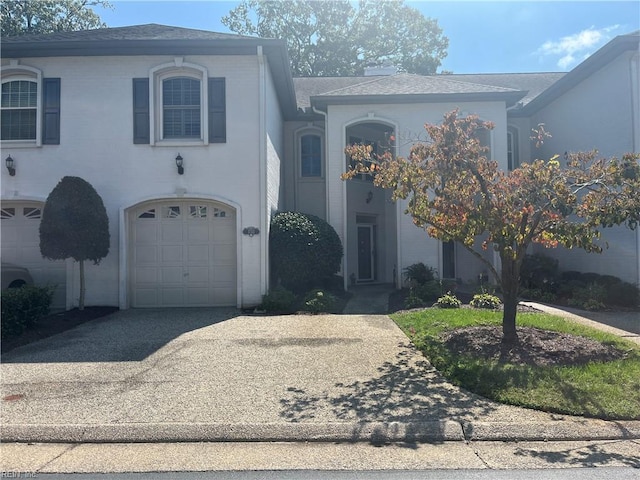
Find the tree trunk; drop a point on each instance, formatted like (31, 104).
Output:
(510, 279)
(81, 299)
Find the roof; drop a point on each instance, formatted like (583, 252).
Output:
(154, 39)
(399, 88)
(150, 31)
(617, 46)
(532, 83)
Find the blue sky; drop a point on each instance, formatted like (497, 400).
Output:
(484, 37)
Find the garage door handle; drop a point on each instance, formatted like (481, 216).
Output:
(186, 274)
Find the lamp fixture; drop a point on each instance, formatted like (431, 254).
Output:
(9, 163)
(179, 164)
(369, 196)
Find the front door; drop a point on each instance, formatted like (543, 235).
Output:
(366, 252)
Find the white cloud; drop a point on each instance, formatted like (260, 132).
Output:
(577, 46)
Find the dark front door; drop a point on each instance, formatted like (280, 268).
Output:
(365, 252)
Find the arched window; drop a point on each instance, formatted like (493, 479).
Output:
(310, 155)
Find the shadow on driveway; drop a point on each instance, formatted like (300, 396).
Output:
(125, 336)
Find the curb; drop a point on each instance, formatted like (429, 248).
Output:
(372, 432)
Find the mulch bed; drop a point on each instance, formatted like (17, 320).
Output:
(54, 324)
(535, 346)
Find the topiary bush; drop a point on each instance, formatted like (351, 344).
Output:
(279, 300)
(317, 301)
(22, 308)
(305, 250)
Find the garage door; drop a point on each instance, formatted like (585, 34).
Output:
(21, 246)
(183, 253)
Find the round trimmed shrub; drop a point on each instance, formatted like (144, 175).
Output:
(305, 250)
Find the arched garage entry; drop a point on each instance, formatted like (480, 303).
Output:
(21, 246)
(182, 253)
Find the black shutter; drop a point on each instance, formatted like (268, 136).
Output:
(141, 110)
(51, 111)
(217, 111)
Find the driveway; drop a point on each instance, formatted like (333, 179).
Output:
(211, 374)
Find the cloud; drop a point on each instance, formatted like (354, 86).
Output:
(576, 47)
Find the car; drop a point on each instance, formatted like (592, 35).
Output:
(14, 276)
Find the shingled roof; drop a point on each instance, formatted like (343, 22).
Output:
(150, 31)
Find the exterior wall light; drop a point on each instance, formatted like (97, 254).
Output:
(9, 163)
(179, 164)
(251, 231)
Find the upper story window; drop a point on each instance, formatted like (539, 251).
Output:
(19, 110)
(181, 108)
(30, 106)
(179, 103)
(310, 156)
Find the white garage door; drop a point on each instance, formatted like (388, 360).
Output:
(21, 246)
(183, 253)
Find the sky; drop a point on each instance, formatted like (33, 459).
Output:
(484, 37)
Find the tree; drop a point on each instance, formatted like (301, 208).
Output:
(74, 225)
(456, 193)
(334, 38)
(20, 17)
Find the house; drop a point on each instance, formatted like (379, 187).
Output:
(194, 139)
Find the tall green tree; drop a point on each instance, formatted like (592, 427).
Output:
(334, 38)
(75, 225)
(21, 17)
(456, 193)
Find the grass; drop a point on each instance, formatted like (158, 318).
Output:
(609, 390)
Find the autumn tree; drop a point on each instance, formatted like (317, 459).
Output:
(20, 17)
(334, 38)
(456, 193)
(74, 225)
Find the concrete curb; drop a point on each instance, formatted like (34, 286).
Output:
(372, 432)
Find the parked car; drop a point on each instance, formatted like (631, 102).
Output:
(14, 276)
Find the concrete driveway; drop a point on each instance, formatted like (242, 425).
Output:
(212, 374)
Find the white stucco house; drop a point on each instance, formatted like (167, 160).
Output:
(194, 139)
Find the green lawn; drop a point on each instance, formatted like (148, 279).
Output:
(609, 390)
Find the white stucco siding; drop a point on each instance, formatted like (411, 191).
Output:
(413, 244)
(96, 143)
(598, 113)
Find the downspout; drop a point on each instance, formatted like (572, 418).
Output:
(264, 211)
(634, 65)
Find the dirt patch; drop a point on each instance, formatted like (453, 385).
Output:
(535, 347)
(54, 324)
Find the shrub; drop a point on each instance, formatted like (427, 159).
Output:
(279, 300)
(623, 294)
(539, 272)
(448, 301)
(23, 307)
(419, 274)
(305, 250)
(317, 301)
(423, 295)
(590, 297)
(485, 300)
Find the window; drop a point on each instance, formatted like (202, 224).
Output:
(310, 156)
(19, 110)
(179, 103)
(30, 106)
(181, 108)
